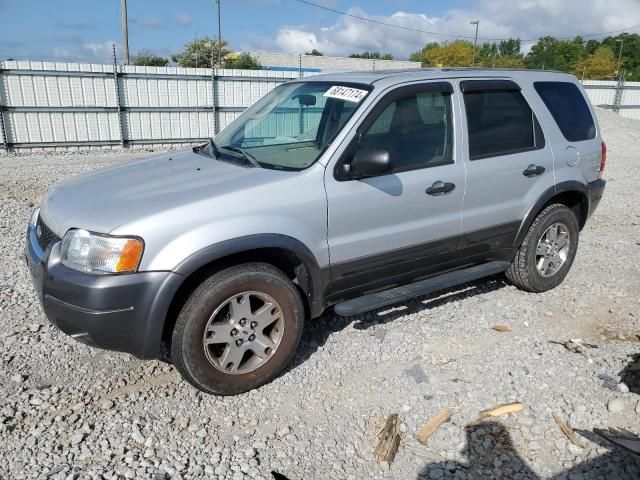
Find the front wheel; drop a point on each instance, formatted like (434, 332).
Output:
(238, 329)
(548, 250)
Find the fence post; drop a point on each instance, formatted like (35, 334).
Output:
(214, 100)
(617, 100)
(118, 102)
(5, 140)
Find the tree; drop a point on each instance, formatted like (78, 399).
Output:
(202, 52)
(630, 52)
(315, 53)
(552, 54)
(421, 55)
(510, 48)
(150, 59)
(244, 61)
(599, 65)
(372, 56)
(454, 54)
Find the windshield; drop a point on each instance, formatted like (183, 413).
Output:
(290, 127)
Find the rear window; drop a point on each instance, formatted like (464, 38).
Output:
(568, 108)
(500, 123)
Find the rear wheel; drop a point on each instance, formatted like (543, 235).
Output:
(238, 329)
(548, 250)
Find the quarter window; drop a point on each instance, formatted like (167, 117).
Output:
(500, 122)
(416, 130)
(568, 108)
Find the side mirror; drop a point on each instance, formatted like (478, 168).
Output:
(370, 162)
(306, 100)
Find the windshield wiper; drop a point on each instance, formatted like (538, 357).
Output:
(212, 145)
(246, 155)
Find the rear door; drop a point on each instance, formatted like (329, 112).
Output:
(390, 229)
(509, 164)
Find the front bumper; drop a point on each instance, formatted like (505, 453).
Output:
(596, 190)
(123, 312)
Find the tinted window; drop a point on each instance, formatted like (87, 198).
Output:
(569, 109)
(415, 129)
(500, 122)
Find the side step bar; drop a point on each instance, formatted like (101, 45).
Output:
(423, 287)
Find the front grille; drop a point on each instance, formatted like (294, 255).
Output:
(44, 234)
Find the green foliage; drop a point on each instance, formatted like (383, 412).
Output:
(552, 54)
(447, 54)
(315, 53)
(630, 53)
(202, 52)
(594, 59)
(372, 56)
(421, 55)
(149, 59)
(243, 61)
(600, 64)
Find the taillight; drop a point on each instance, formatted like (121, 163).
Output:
(603, 157)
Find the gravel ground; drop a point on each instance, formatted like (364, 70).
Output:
(68, 411)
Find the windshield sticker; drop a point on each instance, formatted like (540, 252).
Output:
(346, 93)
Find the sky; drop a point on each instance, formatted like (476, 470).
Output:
(84, 30)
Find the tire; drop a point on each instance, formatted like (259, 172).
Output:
(209, 361)
(524, 272)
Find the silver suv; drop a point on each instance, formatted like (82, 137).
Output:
(352, 191)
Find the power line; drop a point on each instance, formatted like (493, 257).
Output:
(402, 27)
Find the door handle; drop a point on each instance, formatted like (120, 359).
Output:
(440, 188)
(533, 170)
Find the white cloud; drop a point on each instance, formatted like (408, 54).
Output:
(90, 52)
(526, 19)
(183, 19)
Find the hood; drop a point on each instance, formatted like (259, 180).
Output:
(102, 200)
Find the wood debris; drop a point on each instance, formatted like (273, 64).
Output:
(501, 328)
(430, 426)
(389, 435)
(569, 433)
(497, 411)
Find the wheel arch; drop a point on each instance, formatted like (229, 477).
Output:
(573, 194)
(286, 253)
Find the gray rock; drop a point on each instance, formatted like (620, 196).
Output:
(622, 387)
(417, 373)
(616, 405)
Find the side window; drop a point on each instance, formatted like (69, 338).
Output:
(500, 122)
(416, 130)
(568, 108)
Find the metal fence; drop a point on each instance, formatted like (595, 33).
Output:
(69, 105)
(66, 105)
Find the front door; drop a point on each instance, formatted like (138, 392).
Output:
(391, 229)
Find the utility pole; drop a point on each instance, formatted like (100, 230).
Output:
(219, 36)
(125, 32)
(621, 41)
(475, 42)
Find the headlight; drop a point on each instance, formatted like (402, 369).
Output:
(95, 253)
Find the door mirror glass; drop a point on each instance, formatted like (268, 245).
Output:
(370, 162)
(306, 100)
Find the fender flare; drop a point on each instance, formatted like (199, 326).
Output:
(568, 186)
(248, 243)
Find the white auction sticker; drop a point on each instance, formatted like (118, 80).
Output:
(346, 93)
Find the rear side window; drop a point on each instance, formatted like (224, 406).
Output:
(568, 108)
(500, 122)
